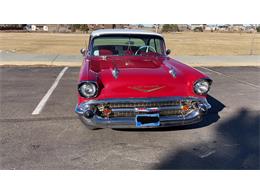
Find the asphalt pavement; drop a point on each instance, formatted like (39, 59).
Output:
(228, 138)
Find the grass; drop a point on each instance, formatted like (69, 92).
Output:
(43, 43)
(183, 43)
(192, 43)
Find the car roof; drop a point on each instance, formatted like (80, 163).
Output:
(122, 31)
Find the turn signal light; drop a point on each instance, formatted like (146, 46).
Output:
(185, 107)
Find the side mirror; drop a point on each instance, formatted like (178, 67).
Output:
(83, 51)
(168, 51)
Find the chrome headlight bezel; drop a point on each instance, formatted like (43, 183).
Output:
(83, 93)
(200, 84)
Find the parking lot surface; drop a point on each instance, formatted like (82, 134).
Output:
(228, 138)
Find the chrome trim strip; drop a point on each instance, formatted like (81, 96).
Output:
(129, 122)
(122, 31)
(144, 100)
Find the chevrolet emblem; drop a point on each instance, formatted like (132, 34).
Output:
(147, 89)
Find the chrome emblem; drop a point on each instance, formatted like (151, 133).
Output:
(147, 89)
(172, 72)
(115, 73)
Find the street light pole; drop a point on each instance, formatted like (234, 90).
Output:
(252, 44)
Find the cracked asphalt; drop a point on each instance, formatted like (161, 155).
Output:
(228, 138)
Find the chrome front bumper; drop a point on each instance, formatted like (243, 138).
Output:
(88, 114)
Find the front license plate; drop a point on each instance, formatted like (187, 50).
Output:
(147, 120)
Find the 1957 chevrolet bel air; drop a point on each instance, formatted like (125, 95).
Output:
(127, 80)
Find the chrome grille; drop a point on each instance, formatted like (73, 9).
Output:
(144, 104)
(123, 109)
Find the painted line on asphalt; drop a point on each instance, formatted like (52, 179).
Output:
(45, 98)
(222, 74)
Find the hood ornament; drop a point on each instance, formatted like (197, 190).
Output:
(115, 73)
(173, 72)
(104, 57)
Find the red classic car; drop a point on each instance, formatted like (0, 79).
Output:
(127, 80)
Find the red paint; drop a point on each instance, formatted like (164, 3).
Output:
(139, 77)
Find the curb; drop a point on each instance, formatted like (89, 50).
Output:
(39, 63)
(78, 64)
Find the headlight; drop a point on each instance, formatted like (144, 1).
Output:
(88, 89)
(201, 87)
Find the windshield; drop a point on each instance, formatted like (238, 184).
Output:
(122, 45)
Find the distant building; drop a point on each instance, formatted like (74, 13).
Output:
(198, 27)
(60, 28)
(211, 28)
(250, 28)
(12, 26)
(107, 26)
(224, 28)
(36, 27)
(238, 27)
(184, 27)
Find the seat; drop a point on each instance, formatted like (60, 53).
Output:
(128, 53)
(105, 52)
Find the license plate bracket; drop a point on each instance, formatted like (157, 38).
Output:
(147, 120)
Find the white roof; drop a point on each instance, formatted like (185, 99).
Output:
(122, 31)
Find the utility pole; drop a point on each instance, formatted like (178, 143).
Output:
(156, 27)
(252, 44)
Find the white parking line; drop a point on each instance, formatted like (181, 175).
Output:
(219, 73)
(45, 98)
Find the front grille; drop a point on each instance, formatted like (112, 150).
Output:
(144, 104)
(165, 108)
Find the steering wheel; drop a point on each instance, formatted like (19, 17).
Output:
(148, 47)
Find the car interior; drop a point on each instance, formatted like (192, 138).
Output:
(120, 50)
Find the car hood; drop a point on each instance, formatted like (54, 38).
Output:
(142, 77)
